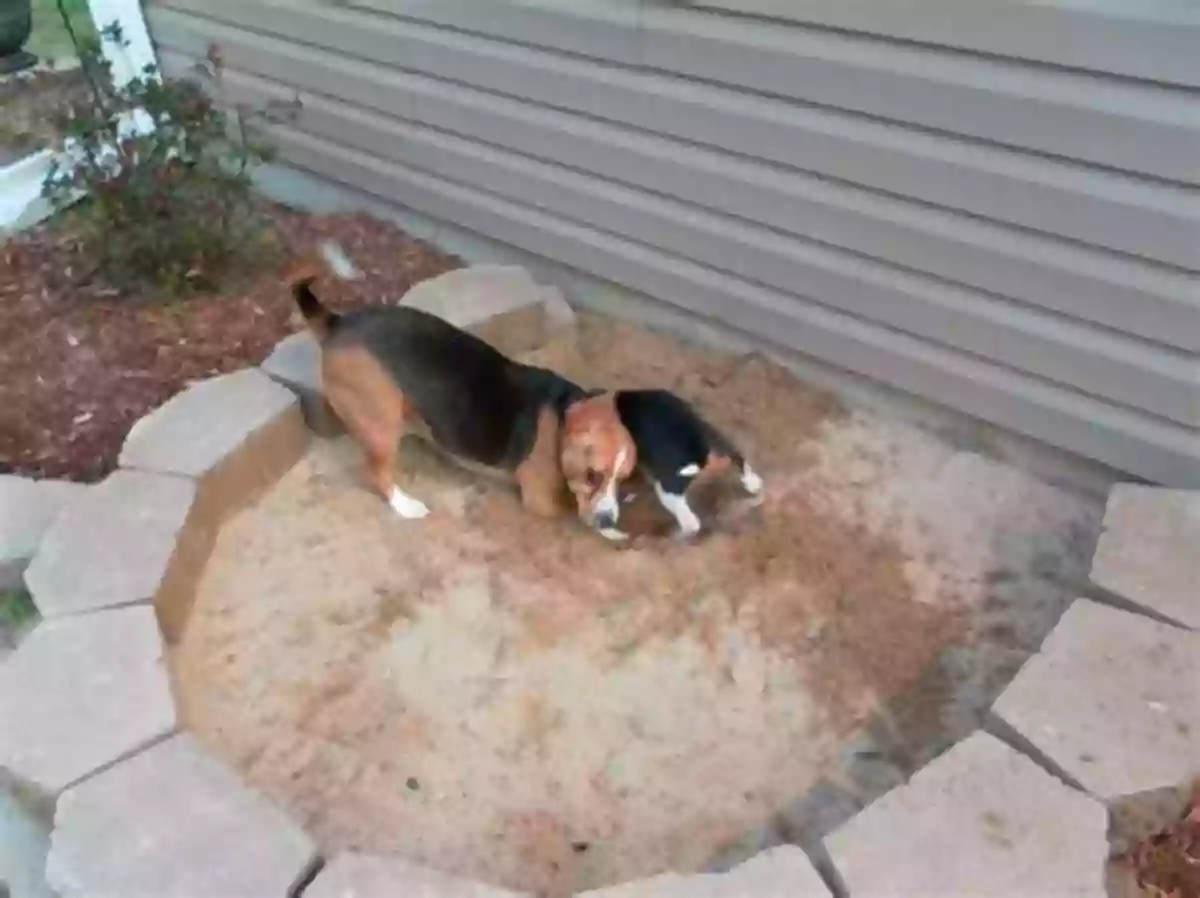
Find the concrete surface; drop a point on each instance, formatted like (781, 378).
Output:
(27, 509)
(24, 842)
(783, 872)
(1112, 700)
(81, 693)
(353, 875)
(173, 823)
(234, 434)
(981, 820)
(1149, 553)
(115, 546)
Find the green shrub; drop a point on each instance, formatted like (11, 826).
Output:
(17, 610)
(170, 208)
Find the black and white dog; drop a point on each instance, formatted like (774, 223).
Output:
(676, 448)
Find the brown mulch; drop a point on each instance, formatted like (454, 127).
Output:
(1167, 864)
(79, 365)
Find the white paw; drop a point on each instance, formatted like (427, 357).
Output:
(615, 535)
(677, 505)
(406, 506)
(751, 481)
(687, 531)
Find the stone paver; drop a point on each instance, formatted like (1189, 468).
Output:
(296, 362)
(501, 304)
(24, 841)
(1149, 553)
(782, 872)
(235, 434)
(981, 820)
(125, 540)
(82, 692)
(364, 876)
(173, 822)
(27, 509)
(1112, 700)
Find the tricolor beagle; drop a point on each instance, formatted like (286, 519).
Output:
(388, 368)
(675, 448)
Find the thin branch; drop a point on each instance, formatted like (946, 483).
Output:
(83, 55)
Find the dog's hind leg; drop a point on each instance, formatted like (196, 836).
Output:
(380, 446)
(373, 410)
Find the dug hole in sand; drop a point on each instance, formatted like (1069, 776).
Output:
(518, 701)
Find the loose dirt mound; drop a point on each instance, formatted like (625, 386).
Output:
(517, 700)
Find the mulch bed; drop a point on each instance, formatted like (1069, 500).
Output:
(79, 364)
(1167, 864)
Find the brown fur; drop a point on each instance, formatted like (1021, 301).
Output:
(539, 476)
(303, 271)
(376, 413)
(592, 443)
(371, 407)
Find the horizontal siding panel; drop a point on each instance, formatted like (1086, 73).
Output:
(1122, 293)
(1124, 370)
(1118, 437)
(1139, 128)
(603, 31)
(1143, 218)
(1151, 39)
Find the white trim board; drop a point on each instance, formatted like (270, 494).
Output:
(21, 203)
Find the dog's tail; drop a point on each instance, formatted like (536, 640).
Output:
(300, 276)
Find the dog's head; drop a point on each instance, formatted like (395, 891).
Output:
(597, 453)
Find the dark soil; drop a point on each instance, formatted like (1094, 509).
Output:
(79, 364)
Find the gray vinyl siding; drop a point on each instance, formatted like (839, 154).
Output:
(1016, 239)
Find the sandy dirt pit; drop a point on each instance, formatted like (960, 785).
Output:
(518, 701)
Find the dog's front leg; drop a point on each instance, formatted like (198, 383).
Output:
(679, 508)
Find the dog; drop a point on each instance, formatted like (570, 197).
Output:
(388, 369)
(676, 450)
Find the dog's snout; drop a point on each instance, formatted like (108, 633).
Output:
(605, 520)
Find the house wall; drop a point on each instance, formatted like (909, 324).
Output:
(957, 212)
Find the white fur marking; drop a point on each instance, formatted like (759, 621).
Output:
(689, 470)
(608, 503)
(615, 535)
(406, 506)
(689, 524)
(335, 257)
(751, 481)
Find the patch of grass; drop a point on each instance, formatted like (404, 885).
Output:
(17, 610)
(49, 39)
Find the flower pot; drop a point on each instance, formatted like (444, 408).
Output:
(16, 22)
